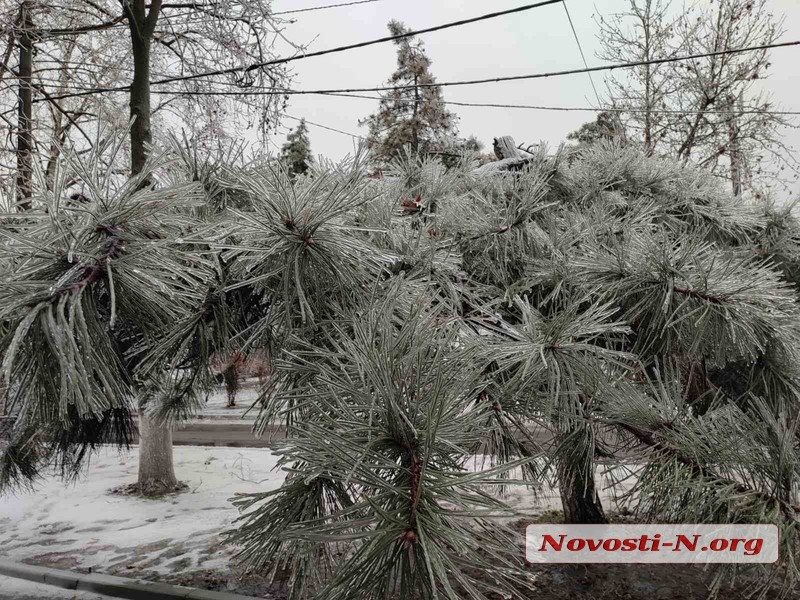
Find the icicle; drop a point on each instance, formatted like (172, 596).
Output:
(113, 295)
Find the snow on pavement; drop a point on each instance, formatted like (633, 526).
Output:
(19, 589)
(82, 526)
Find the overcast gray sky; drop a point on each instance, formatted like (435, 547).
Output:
(528, 42)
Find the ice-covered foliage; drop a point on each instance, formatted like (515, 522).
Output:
(628, 306)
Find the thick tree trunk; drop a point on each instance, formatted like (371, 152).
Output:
(156, 470)
(25, 112)
(579, 497)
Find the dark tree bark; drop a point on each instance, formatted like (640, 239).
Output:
(579, 497)
(25, 110)
(142, 23)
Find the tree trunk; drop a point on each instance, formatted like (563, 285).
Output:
(141, 136)
(579, 497)
(580, 501)
(25, 112)
(142, 24)
(415, 130)
(733, 149)
(156, 470)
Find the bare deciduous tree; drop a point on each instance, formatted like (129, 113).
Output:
(711, 110)
(101, 54)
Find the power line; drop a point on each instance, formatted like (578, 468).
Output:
(519, 106)
(545, 75)
(591, 108)
(352, 135)
(580, 49)
(301, 10)
(280, 61)
(390, 38)
(618, 110)
(550, 74)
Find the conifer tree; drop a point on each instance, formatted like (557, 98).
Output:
(618, 302)
(629, 307)
(606, 126)
(296, 152)
(413, 115)
(96, 291)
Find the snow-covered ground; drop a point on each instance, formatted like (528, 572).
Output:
(82, 526)
(19, 589)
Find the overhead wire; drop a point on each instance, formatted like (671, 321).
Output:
(313, 8)
(531, 76)
(580, 50)
(287, 59)
(514, 106)
(321, 126)
(352, 92)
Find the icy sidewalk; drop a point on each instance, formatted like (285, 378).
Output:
(83, 527)
(216, 408)
(19, 589)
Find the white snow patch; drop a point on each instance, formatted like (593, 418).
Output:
(20, 589)
(82, 525)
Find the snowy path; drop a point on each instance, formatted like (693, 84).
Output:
(216, 407)
(19, 589)
(82, 526)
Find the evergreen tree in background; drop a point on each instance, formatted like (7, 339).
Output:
(607, 126)
(414, 115)
(296, 152)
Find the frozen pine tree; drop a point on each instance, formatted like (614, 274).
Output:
(435, 336)
(413, 114)
(296, 152)
(626, 305)
(106, 319)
